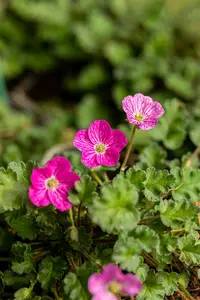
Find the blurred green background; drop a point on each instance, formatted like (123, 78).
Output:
(68, 62)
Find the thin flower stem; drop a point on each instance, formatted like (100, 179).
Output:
(181, 294)
(88, 256)
(5, 259)
(106, 176)
(96, 177)
(123, 166)
(190, 158)
(148, 219)
(57, 297)
(189, 297)
(71, 217)
(79, 214)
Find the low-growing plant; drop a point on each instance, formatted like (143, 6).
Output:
(89, 225)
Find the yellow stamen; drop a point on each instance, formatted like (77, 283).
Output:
(115, 287)
(100, 148)
(52, 183)
(139, 117)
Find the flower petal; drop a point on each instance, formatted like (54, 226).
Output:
(104, 295)
(136, 103)
(59, 199)
(110, 158)
(58, 164)
(67, 178)
(118, 140)
(82, 141)
(131, 285)
(99, 132)
(39, 197)
(147, 124)
(154, 110)
(38, 177)
(96, 283)
(111, 273)
(89, 158)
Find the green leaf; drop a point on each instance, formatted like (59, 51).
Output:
(24, 225)
(169, 282)
(190, 250)
(175, 212)
(50, 270)
(171, 129)
(23, 258)
(165, 248)
(127, 249)
(186, 184)
(152, 288)
(73, 288)
(157, 183)
(16, 281)
(23, 294)
(14, 183)
(136, 177)
(152, 155)
(116, 204)
(85, 191)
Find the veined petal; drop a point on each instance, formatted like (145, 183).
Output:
(59, 199)
(109, 158)
(99, 132)
(38, 177)
(118, 140)
(58, 164)
(67, 178)
(131, 284)
(154, 110)
(148, 124)
(82, 141)
(89, 159)
(39, 197)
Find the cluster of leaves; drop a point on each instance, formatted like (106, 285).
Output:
(141, 46)
(146, 220)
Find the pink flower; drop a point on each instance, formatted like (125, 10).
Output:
(142, 111)
(111, 281)
(100, 144)
(51, 184)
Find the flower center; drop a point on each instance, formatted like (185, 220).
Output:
(115, 287)
(139, 117)
(52, 183)
(100, 148)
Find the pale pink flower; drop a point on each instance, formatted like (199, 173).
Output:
(51, 184)
(111, 281)
(100, 144)
(142, 111)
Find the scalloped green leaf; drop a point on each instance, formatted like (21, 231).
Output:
(174, 213)
(187, 183)
(73, 288)
(86, 191)
(152, 288)
(117, 202)
(157, 182)
(136, 177)
(50, 270)
(23, 258)
(189, 250)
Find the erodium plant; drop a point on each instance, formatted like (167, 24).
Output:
(103, 222)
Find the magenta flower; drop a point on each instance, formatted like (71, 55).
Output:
(100, 144)
(142, 111)
(111, 281)
(51, 184)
